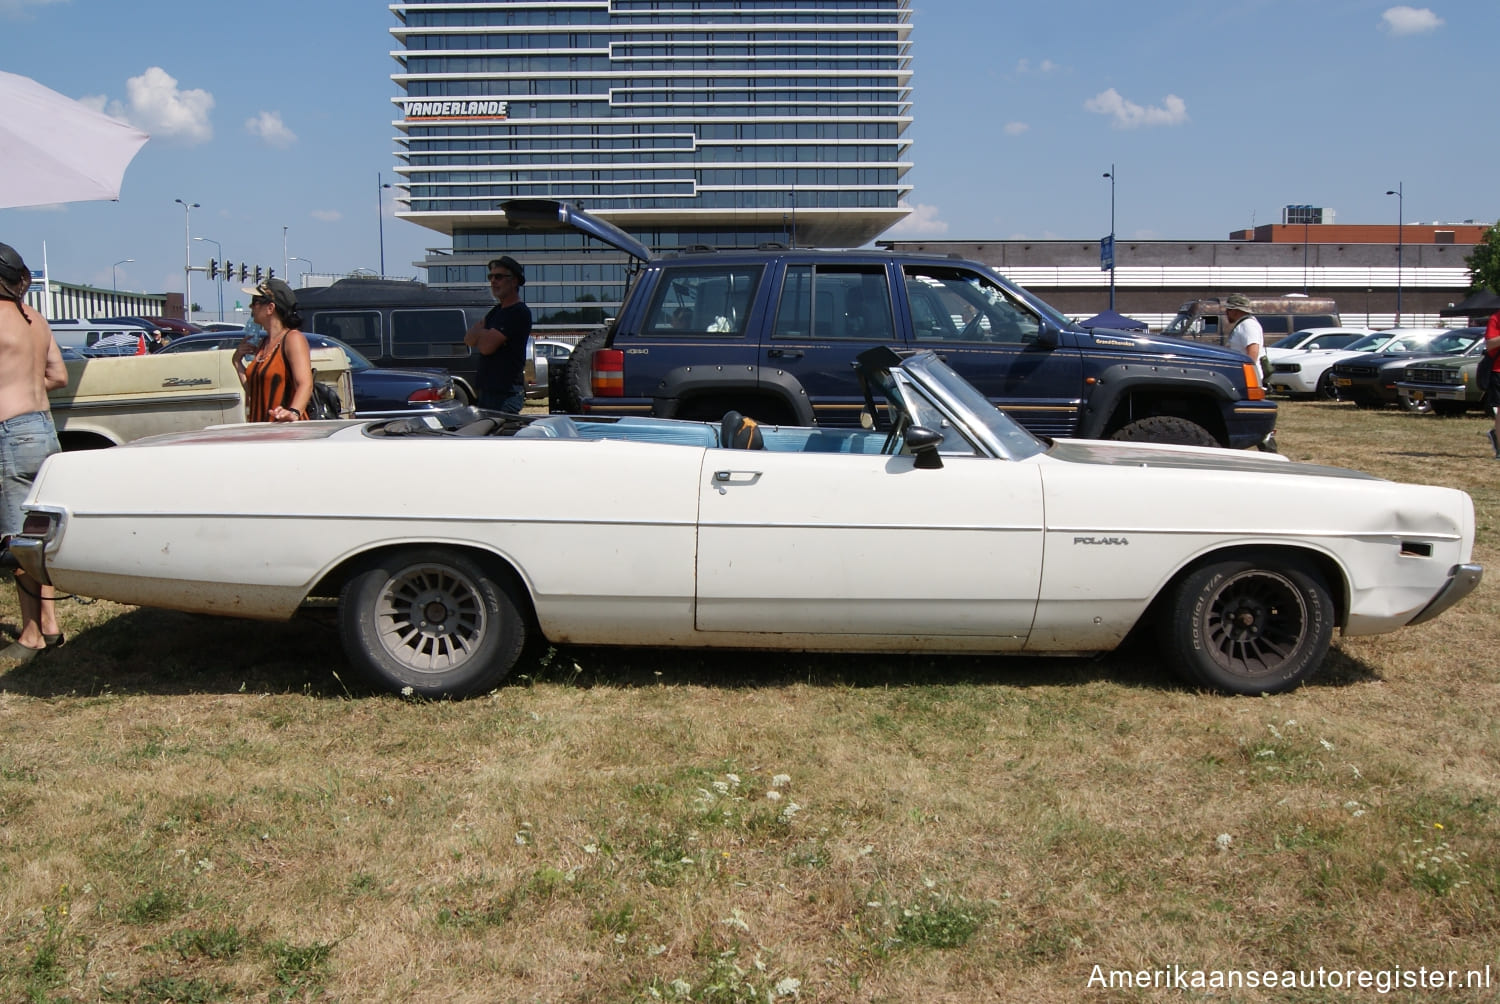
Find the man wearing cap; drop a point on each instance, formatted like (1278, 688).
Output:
(501, 340)
(1245, 333)
(30, 365)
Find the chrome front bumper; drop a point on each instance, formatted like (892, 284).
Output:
(1462, 580)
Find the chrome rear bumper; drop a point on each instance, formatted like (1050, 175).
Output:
(1462, 580)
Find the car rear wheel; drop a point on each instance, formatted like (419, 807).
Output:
(433, 622)
(1166, 429)
(1257, 625)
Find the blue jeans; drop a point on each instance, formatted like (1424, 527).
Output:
(25, 441)
(512, 402)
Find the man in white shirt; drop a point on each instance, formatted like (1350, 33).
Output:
(1245, 333)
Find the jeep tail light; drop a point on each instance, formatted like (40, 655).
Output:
(431, 395)
(609, 373)
(1252, 382)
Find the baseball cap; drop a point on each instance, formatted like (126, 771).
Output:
(275, 290)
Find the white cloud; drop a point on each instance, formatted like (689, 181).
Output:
(1129, 115)
(1405, 20)
(1015, 128)
(327, 215)
(921, 222)
(157, 106)
(271, 130)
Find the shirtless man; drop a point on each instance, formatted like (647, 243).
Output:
(30, 366)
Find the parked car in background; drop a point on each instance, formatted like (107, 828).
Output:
(1369, 379)
(378, 393)
(1305, 372)
(551, 357)
(1445, 384)
(175, 326)
(937, 524)
(1309, 339)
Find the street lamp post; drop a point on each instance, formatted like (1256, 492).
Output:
(1110, 174)
(1306, 219)
(1399, 193)
(187, 256)
(380, 188)
(219, 249)
(114, 279)
(305, 261)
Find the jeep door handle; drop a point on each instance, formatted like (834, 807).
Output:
(784, 354)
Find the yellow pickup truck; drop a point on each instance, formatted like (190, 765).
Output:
(116, 399)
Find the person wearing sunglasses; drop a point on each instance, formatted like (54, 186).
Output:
(501, 340)
(278, 375)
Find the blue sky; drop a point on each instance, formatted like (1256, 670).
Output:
(274, 116)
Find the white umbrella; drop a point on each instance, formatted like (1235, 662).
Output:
(53, 149)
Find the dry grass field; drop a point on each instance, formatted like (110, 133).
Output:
(195, 809)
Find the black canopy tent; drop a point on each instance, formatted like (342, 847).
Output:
(1475, 304)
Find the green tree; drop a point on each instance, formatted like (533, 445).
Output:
(1484, 261)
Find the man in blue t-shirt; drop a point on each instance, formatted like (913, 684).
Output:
(501, 340)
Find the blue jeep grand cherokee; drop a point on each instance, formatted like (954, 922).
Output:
(774, 332)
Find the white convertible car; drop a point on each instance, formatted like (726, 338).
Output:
(455, 544)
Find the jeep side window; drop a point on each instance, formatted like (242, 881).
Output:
(703, 301)
(957, 305)
(835, 301)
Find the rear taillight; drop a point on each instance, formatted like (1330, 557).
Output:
(38, 524)
(431, 395)
(1255, 392)
(609, 373)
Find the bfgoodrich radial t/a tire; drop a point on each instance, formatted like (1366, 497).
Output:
(1166, 429)
(434, 620)
(1257, 625)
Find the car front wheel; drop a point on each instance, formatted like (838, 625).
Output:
(1258, 625)
(431, 622)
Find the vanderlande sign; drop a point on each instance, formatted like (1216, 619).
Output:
(486, 108)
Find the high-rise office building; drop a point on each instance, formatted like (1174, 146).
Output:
(726, 123)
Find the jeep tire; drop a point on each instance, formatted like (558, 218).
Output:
(576, 382)
(1166, 429)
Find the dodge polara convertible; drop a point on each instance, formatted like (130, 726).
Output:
(456, 543)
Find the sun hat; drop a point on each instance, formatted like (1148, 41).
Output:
(1238, 301)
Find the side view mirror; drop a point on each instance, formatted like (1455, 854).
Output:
(923, 443)
(1046, 336)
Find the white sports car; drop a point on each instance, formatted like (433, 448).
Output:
(456, 543)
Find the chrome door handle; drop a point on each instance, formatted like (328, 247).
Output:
(724, 480)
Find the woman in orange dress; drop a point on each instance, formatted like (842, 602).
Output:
(278, 374)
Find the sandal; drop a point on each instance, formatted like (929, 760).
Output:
(55, 640)
(19, 653)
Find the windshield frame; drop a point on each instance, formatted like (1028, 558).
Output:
(936, 385)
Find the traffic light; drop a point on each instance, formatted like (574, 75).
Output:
(270, 273)
(244, 271)
(257, 275)
(229, 271)
(213, 268)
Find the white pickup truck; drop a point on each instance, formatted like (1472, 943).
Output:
(116, 399)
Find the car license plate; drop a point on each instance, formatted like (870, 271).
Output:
(1342, 382)
(1419, 396)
